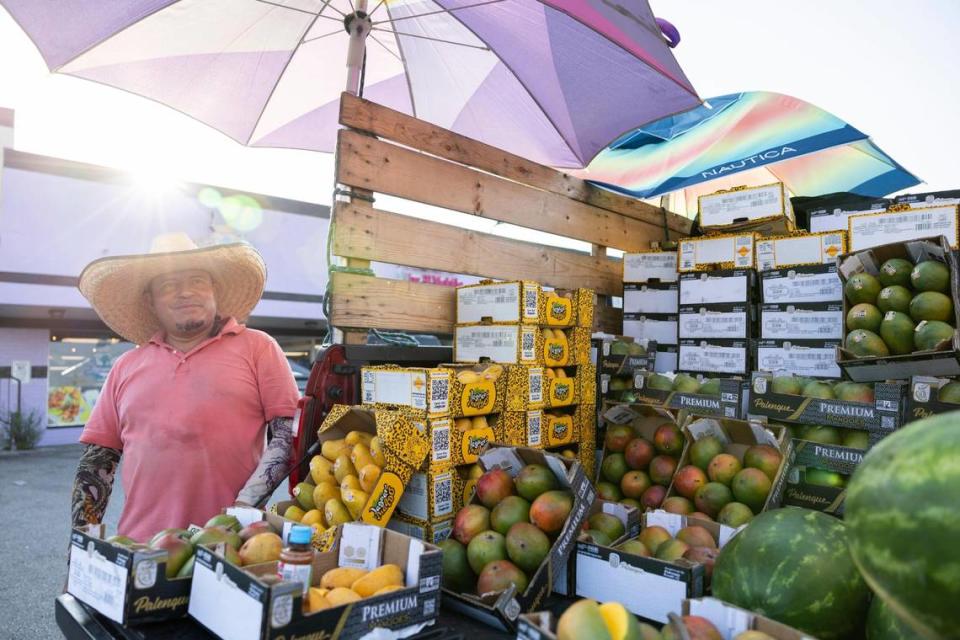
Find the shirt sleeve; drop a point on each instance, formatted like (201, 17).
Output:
(278, 389)
(103, 425)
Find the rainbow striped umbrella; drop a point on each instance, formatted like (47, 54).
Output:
(751, 139)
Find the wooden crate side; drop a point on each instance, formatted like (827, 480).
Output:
(382, 167)
(369, 302)
(372, 234)
(608, 319)
(383, 122)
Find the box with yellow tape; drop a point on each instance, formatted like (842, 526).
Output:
(523, 302)
(367, 457)
(549, 428)
(455, 390)
(536, 387)
(458, 441)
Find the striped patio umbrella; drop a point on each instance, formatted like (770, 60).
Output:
(548, 80)
(751, 139)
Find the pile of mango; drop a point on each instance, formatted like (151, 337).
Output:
(344, 585)
(343, 475)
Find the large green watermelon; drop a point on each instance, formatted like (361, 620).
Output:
(883, 623)
(793, 565)
(903, 520)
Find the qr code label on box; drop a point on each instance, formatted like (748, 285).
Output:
(528, 345)
(441, 440)
(530, 303)
(536, 385)
(443, 494)
(534, 420)
(439, 393)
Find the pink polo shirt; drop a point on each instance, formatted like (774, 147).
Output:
(191, 426)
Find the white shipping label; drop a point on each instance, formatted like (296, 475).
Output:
(800, 361)
(710, 358)
(810, 249)
(663, 331)
(872, 230)
(98, 582)
(714, 290)
(439, 392)
(710, 250)
(406, 388)
(803, 287)
(643, 267)
(835, 220)
(644, 300)
(665, 362)
(750, 204)
(500, 344)
(498, 302)
(713, 324)
(219, 604)
(413, 502)
(801, 324)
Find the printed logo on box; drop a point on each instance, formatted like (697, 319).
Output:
(474, 442)
(385, 496)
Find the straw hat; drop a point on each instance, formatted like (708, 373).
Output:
(115, 285)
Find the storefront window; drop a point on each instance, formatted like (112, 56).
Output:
(77, 369)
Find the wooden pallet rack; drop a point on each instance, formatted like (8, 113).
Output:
(381, 151)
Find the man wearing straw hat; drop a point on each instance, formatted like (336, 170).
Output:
(188, 409)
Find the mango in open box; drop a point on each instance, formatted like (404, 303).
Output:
(368, 456)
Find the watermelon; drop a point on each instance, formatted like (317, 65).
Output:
(903, 523)
(793, 565)
(883, 623)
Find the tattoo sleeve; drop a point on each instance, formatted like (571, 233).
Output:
(273, 465)
(93, 484)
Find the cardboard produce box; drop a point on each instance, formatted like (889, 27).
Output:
(434, 533)
(406, 447)
(521, 344)
(623, 355)
(238, 604)
(650, 266)
(658, 327)
(733, 321)
(727, 357)
(126, 585)
(879, 417)
(648, 587)
(765, 209)
(667, 358)
(725, 404)
(826, 490)
(782, 252)
(808, 358)
(717, 287)
(643, 420)
(434, 494)
(904, 223)
(459, 441)
(647, 298)
(801, 285)
(453, 390)
(835, 218)
(537, 387)
(811, 321)
(924, 398)
(945, 362)
(709, 253)
(737, 436)
(502, 609)
(731, 621)
(932, 198)
(524, 302)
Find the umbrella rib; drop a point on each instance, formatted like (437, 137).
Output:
(441, 40)
(390, 51)
(433, 13)
(113, 35)
(309, 13)
(326, 35)
(283, 71)
(406, 69)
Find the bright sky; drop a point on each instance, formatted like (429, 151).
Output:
(888, 67)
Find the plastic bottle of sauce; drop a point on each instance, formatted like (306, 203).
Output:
(296, 559)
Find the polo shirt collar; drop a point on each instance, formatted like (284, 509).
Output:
(230, 327)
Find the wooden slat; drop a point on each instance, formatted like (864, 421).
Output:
(379, 303)
(371, 234)
(409, 131)
(608, 319)
(386, 168)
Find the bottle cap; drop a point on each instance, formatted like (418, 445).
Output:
(300, 534)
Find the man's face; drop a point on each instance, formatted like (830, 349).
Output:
(183, 301)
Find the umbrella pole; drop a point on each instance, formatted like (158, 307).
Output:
(358, 25)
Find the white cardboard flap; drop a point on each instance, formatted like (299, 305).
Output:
(645, 300)
(414, 551)
(672, 522)
(648, 328)
(708, 289)
(619, 414)
(656, 265)
(644, 594)
(874, 229)
(360, 546)
(751, 204)
(666, 361)
(704, 427)
(245, 515)
(729, 621)
(763, 435)
(502, 458)
(98, 582)
(219, 605)
(500, 302)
